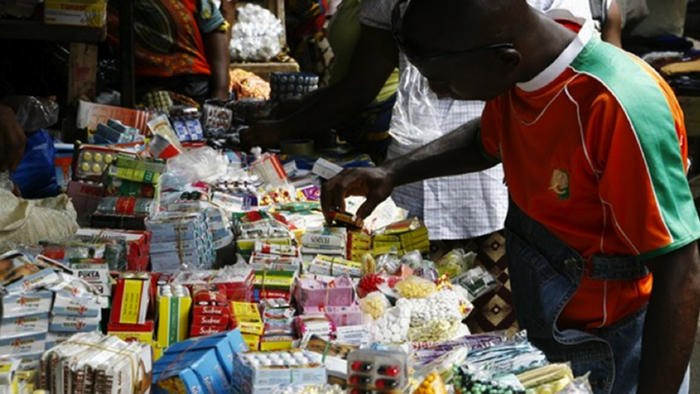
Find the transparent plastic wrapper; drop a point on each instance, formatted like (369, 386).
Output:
(441, 364)
(416, 118)
(203, 164)
(427, 270)
(477, 282)
(455, 263)
(33, 113)
(309, 389)
(433, 331)
(388, 263)
(256, 34)
(432, 384)
(393, 326)
(414, 259)
(580, 385)
(547, 379)
(375, 305)
(415, 287)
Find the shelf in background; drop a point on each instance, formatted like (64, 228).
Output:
(36, 30)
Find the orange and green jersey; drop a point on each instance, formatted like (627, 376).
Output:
(594, 148)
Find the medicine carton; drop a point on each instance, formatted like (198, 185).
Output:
(131, 299)
(14, 305)
(89, 13)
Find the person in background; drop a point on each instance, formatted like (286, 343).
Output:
(180, 46)
(594, 149)
(365, 122)
(609, 15)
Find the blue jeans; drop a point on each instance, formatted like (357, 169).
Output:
(545, 273)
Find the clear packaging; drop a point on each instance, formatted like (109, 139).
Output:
(432, 384)
(415, 287)
(455, 263)
(256, 34)
(33, 113)
(202, 164)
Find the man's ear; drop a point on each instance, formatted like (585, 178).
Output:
(510, 58)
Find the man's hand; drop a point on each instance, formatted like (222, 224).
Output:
(12, 140)
(376, 184)
(265, 133)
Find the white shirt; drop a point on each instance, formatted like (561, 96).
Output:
(459, 207)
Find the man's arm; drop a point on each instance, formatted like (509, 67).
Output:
(612, 27)
(671, 321)
(374, 59)
(455, 153)
(216, 49)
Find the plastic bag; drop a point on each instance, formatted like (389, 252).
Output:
(36, 174)
(580, 385)
(375, 305)
(256, 34)
(412, 259)
(33, 113)
(477, 282)
(415, 287)
(393, 326)
(432, 384)
(388, 263)
(203, 164)
(455, 263)
(417, 117)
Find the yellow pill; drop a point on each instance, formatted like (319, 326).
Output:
(87, 156)
(98, 157)
(108, 159)
(85, 167)
(96, 168)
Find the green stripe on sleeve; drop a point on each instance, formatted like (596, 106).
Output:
(654, 124)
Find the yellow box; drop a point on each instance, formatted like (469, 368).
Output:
(157, 352)
(253, 341)
(88, 13)
(386, 238)
(412, 236)
(268, 346)
(173, 320)
(387, 244)
(248, 318)
(249, 244)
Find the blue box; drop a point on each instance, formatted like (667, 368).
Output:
(226, 345)
(210, 375)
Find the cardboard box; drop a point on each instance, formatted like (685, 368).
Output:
(131, 299)
(18, 346)
(173, 320)
(76, 306)
(86, 198)
(132, 333)
(89, 13)
(61, 323)
(138, 244)
(247, 318)
(14, 305)
(204, 364)
(23, 325)
(226, 346)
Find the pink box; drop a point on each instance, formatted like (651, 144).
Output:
(316, 292)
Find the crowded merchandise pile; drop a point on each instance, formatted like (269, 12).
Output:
(203, 270)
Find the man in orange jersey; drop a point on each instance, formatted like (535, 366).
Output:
(594, 151)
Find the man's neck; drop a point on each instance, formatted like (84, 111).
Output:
(543, 46)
